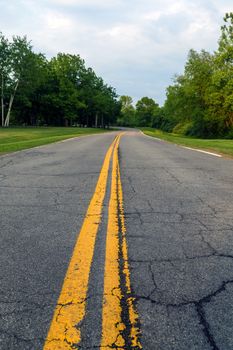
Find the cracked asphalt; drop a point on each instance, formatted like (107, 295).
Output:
(178, 207)
(179, 218)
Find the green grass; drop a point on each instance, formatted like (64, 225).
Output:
(16, 139)
(216, 145)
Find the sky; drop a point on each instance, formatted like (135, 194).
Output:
(136, 46)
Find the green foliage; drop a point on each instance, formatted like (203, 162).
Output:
(183, 128)
(127, 114)
(60, 91)
(148, 113)
(202, 98)
(144, 111)
(19, 71)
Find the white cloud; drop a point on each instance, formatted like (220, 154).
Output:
(152, 16)
(58, 21)
(136, 46)
(86, 3)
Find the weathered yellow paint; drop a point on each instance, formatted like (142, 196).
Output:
(112, 324)
(133, 315)
(64, 331)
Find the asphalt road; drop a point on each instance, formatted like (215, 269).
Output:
(167, 246)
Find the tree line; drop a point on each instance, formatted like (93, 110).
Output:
(60, 91)
(200, 101)
(144, 113)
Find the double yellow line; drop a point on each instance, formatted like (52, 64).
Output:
(119, 317)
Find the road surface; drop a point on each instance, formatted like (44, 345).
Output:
(116, 241)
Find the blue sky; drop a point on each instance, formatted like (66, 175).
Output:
(136, 46)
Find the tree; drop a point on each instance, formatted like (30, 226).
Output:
(4, 70)
(186, 106)
(220, 97)
(127, 111)
(200, 102)
(60, 91)
(145, 108)
(21, 69)
(157, 117)
(65, 72)
(174, 109)
(18, 66)
(27, 103)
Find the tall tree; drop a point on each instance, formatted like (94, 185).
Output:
(144, 111)
(20, 56)
(61, 91)
(127, 115)
(66, 73)
(200, 102)
(220, 97)
(18, 67)
(4, 70)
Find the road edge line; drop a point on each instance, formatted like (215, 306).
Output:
(186, 147)
(202, 151)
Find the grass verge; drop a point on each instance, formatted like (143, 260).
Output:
(16, 139)
(215, 145)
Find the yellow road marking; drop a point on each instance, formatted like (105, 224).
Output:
(113, 325)
(64, 332)
(133, 315)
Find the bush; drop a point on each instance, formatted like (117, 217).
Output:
(229, 135)
(207, 128)
(182, 128)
